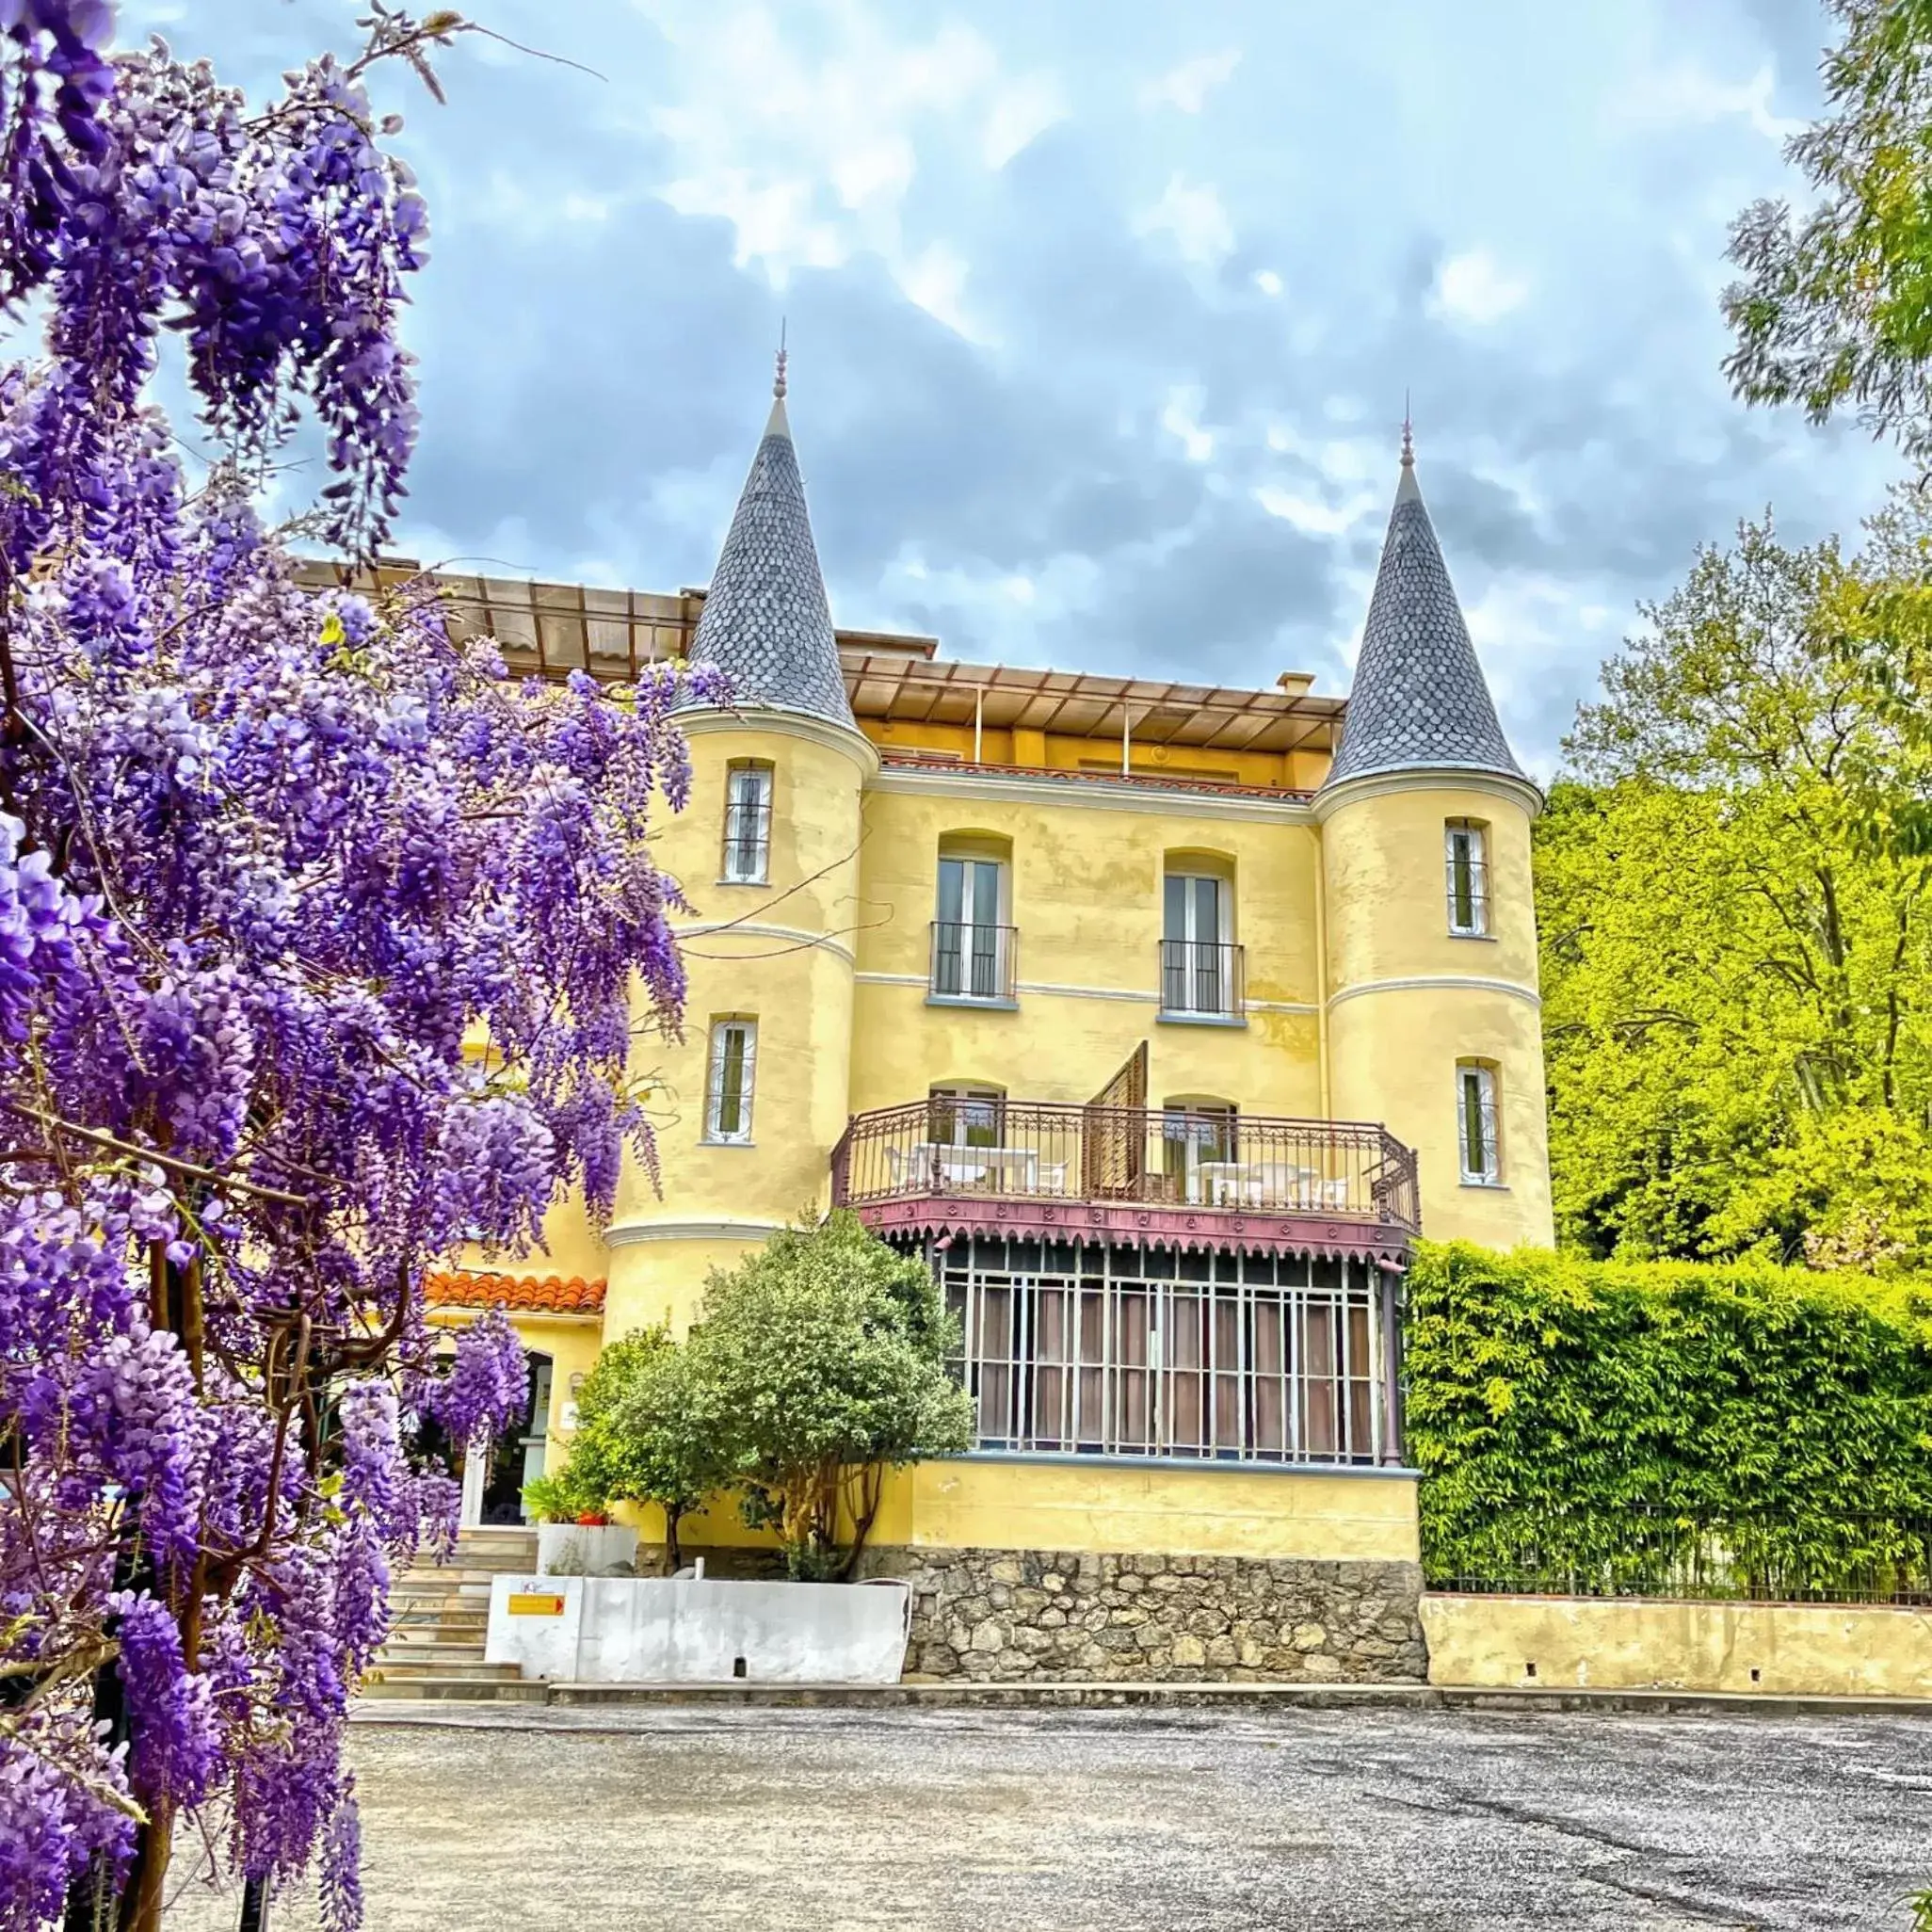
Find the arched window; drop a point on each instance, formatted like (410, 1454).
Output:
(1477, 1137)
(1466, 870)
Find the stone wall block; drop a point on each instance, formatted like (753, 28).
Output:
(1046, 1616)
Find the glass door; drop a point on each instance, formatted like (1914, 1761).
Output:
(1192, 980)
(966, 951)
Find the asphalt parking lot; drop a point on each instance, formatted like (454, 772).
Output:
(1092, 1821)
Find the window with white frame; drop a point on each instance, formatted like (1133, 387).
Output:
(1466, 866)
(748, 824)
(972, 942)
(1200, 969)
(1196, 1146)
(1475, 1123)
(965, 1116)
(728, 1091)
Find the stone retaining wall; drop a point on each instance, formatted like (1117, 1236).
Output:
(1040, 1616)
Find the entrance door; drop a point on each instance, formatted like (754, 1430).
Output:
(494, 1472)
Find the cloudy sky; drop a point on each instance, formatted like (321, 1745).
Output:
(1102, 311)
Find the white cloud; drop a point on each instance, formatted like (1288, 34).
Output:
(807, 128)
(1267, 281)
(1022, 111)
(1474, 287)
(1685, 95)
(1180, 418)
(936, 280)
(1311, 518)
(1194, 217)
(1188, 86)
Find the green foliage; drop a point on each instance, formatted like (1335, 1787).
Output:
(1552, 1401)
(643, 1435)
(1738, 939)
(821, 1358)
(1834, 309)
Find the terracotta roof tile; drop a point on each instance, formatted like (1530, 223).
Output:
(521, 1294)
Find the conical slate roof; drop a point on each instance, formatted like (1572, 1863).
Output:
(1419, 702)
(765, 623)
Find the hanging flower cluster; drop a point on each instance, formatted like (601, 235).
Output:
(275, 864)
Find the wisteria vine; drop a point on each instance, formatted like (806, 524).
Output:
(323, 948)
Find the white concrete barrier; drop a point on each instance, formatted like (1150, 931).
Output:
(696, 1630)
(576, 1548)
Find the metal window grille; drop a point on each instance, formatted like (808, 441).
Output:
(971, 961)
(1201, 976)
(1090, 1350)
(734, 1060)
(748, 824)
(1475, 1095)
(1468, 881)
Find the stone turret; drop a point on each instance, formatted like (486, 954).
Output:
(1433, 1009)
(767, 851)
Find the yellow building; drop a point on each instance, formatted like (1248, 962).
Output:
(1161, 1017)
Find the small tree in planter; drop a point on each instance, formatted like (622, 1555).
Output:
(645, 1434)
(821, 1363)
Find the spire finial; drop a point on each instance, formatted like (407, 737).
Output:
(1408, 435)
(778, 387)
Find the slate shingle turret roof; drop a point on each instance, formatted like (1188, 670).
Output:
(766, 620)
(1418, 701)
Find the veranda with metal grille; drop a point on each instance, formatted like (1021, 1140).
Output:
(1112, 1349)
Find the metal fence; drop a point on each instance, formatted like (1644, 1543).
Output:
(1652, 1551)
(1035, 1149)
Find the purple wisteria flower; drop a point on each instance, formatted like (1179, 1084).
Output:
(322, 948)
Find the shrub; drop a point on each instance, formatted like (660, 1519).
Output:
(1565, 1405)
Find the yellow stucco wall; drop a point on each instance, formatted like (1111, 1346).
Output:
(995, 1503)
(1407, 1000)
(779, 953)
(1794, 1650)
(1085, 898)
(1001, 1505)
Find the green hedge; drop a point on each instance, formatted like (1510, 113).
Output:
(1629, 1423)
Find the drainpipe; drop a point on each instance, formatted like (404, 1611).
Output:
(979, 718)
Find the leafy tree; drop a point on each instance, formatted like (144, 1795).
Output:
(1737, 957)
(265, 858)
(646, 1433)
(1834, 309)
(822, 1359)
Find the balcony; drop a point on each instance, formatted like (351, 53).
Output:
(1202, 979)
(1093, 1172)
(972, 964)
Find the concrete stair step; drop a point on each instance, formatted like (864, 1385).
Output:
(456, 1689)
(424, 1576)
(466, 1663)
(452, 1630)
(429, 1657)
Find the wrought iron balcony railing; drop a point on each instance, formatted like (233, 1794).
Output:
(1203, 978)
(973, 962)
(1161, 1157)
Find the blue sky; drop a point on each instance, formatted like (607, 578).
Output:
(1102, 314)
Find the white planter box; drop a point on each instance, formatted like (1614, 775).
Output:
(694, 1629)
(571, 1548)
